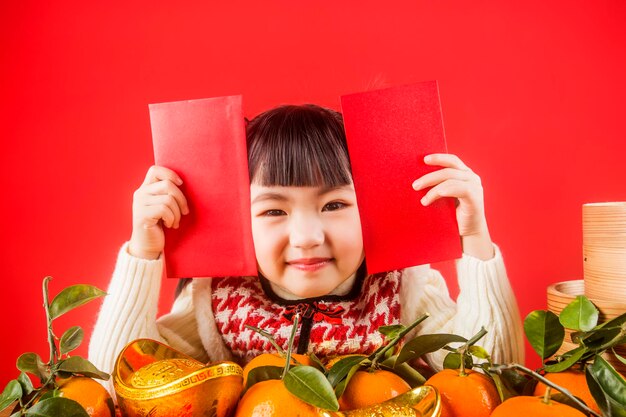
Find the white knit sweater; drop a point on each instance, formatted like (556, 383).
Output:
(129, 311)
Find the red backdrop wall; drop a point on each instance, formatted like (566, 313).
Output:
(532, 96)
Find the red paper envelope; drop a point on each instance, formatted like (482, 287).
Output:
(204, 141)
(389, 132)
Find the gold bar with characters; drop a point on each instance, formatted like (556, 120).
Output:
(152, 379)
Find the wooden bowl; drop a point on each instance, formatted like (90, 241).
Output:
(563, 293)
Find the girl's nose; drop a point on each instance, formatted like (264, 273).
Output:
(306, 233)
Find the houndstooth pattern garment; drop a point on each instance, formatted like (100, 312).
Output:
(330, 325)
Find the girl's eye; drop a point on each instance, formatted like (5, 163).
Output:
(273, 213)
(335, 205)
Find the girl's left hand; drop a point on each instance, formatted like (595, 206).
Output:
(457, 180)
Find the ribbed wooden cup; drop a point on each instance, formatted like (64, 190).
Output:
(604, 251)
(563, 293)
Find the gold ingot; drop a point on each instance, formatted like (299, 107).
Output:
(422, 401)
(153, 380)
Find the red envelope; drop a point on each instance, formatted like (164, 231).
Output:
(389, 132)
(204, 141)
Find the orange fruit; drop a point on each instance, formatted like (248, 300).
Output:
(470, 395)
(369, 387)
(523, 406)
(92, 396)
(572, 380)
(270, 398)
(273, 359)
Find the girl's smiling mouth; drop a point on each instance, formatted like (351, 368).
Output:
(309, 264)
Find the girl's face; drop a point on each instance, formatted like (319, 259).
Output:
(307, 239)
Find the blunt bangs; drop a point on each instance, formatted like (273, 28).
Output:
(298, 145)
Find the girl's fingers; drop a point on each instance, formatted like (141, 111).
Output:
(152, 215)
(157, 173)
(166, 187)
(169, 201)
(445, 160)
(433, 178)
(462, 190)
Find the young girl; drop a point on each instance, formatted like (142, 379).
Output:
(309, 250)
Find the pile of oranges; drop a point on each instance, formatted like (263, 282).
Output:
(473, 394)
(271, 398)
(464, 393)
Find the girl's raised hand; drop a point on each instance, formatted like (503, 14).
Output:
(457, 180)
(158, 201)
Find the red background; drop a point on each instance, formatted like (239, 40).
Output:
(532, 96)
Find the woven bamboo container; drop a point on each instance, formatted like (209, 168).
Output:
(604, 251)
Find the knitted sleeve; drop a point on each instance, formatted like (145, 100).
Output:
(129, 312)
(485, 299)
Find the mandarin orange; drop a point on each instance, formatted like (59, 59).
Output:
(572, 380)
(273, 359)
(369, 387)
(470, 395)
(92, 396)
(270, 398)
(523, 406)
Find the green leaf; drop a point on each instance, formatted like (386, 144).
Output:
(317, 362)
(503, 390)
(597, 393)
(72, 297)
(341, 386)
(341, 369)
(613, 323)
(71, 339)
(619, 357)
(580, 314)
(573, 356)
(599, 339)
(263, 373)
(311, 386)
(31, 363)
(453, 361)
(544, 332)
(426, 343)
(12, 392)
(479, 352)
(564, 399)
(607, 387)
(56, 407)
(81, 366)
(50, 394)
(509, 383)
(25, 383)
(392, 331)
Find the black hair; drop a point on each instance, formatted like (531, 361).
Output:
(298, 145)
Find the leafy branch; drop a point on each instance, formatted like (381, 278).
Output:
(499, 369)
(546, 332)
(42, 401)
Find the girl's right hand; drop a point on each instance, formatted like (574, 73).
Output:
(157, 202)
